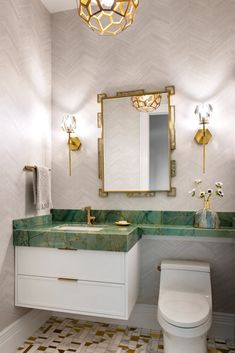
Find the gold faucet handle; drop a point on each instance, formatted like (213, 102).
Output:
(86, 208)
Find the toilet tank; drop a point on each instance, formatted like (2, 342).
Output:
(186, 276)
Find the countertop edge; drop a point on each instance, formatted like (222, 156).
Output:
(116, 241)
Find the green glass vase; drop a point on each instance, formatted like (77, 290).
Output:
(206, 217)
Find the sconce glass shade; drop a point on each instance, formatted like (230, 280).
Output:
(68, 123)
(204, 113)
(108, 17)
(147, 102)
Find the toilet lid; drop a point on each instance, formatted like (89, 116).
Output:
(184, 309)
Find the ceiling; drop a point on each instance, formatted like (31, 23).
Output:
(59, 5)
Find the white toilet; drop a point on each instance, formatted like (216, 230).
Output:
(185, 306)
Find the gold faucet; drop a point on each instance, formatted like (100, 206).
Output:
(90, 218)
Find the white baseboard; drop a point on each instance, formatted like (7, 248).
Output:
(223, 326)
(144, 315)
(15, 334)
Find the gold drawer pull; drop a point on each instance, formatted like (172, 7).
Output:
(68, 279)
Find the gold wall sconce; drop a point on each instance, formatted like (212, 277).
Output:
(147, 102)
(69, 125)
(108, 17)
(203, 135)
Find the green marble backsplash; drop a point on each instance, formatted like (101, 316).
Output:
(137, 217)
(107, 216)
(32, 222)
(180, 218)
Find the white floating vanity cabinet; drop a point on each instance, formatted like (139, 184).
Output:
(87, 282)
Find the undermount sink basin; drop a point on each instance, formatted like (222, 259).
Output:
(79, 228)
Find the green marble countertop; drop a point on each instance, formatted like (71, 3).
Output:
(186, 230)
(110, 238)
(42, 232)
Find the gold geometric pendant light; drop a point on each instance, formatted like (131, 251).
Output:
(147, 102)
(108, 17)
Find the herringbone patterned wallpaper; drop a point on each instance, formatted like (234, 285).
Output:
(122, 160)
(25, 107)
(188, 43)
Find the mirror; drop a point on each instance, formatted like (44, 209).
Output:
(138, 134)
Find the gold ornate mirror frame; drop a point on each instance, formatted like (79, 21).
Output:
(170, 91)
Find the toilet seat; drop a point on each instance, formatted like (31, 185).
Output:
(183, 309)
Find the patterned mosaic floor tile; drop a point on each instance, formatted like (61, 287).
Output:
(59, 335)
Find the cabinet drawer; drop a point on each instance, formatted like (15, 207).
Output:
(102, 299)
(103, 266)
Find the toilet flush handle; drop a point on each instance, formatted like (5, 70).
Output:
(159, 268)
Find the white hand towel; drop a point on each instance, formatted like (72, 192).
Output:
(42, 188)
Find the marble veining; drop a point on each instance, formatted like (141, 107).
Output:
(43, 231)
(137, 217)
(32, 221)
(110, 238)
(108, 216)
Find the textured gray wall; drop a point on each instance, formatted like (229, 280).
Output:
(219, 253)
(25, 116)
(188, 43)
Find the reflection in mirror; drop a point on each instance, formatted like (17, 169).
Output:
(136, 144)
(159, 167)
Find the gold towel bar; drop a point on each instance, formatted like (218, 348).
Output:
(30, 168)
